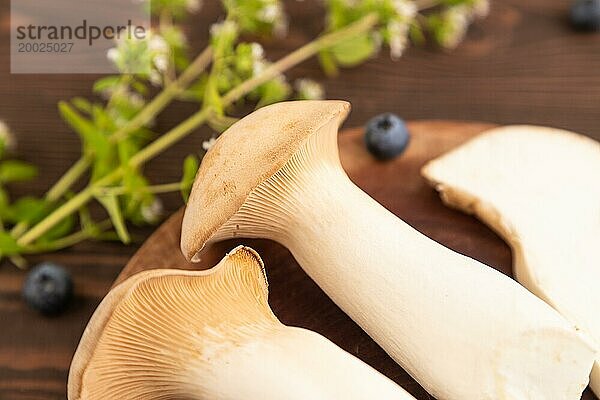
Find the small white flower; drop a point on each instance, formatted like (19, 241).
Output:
(215, 28)
(258, 52)
(158, 44)
(397, 46)
(258, 61)
(155, 78)
(273, 14)
(309, 90)
(7, 137)
(457, 21)
(225, 27)
(406, 9)
(281, 27)
(259, 66)
(112, 54)
(177, 36)
(270, 13)
(280, 79)
(160, 56)
(377, 39)
(152, 213)
(161, 62)
(133, 55)
(208, 144)
(136, 99)
(398, 34)
(481, 8)
(193, 6)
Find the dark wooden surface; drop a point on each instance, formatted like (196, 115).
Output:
(522, 64)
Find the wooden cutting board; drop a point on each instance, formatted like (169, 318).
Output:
(396, 184)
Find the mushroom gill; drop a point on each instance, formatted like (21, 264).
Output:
(210, 335)
(164, 328)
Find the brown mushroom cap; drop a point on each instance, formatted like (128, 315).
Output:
(246, 155)
(148, 328)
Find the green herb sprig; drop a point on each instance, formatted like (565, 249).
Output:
(116, 132)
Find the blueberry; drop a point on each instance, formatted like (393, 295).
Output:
(585, 15)
(386, 136)
(48, 288)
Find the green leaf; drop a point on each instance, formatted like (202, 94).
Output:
(416, 34)
(102, 121)
(94, 141)
(137, 194)
(223, 38)
(82, 104)
(85, 218)
(354, 51)
(63, 228)
(4, 204)
(87, 224)
(273, 91)
(4, 201)
(143, 134)
(84, 127)
(212, 98)
(127, 105)
(106, 84)
(190, 168)
(126, 149)
(244, 59)
(16, 171)
(435, 25)
(105, 160)
(27, 209)
(8, 245)
(328, 63)
(139, 87)
(111, 204)
(452, 3)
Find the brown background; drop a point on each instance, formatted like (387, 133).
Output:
(522, 64)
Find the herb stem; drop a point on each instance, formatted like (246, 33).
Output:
(69, 240)
(18, 261)
(426, 4)
(143, 117)
(71, 206)
(68, 179)
(197, 119)
(164, 98)
(155, 189)
(296, 57)
(58, 189)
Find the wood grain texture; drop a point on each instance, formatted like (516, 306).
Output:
(397, 184)
(522, 64)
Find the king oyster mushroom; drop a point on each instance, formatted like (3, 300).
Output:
(169, 334)
(539, 188)
(460, 328)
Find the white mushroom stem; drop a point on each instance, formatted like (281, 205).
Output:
(295, 363)
(460, 328)
(211, 335)
(540, 189)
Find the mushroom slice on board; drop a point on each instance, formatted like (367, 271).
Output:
(539, 188)
(169, 334)
(460, 328)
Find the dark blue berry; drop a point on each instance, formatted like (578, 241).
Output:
(48, 288)
(585, 15)
(386, 136)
